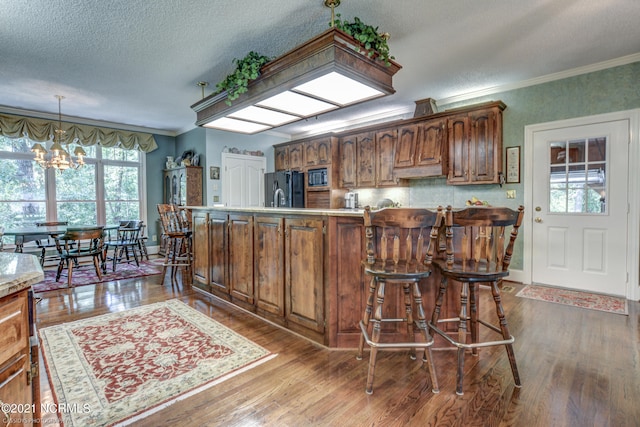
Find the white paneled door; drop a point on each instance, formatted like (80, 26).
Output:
(243, 180)
(580, 207)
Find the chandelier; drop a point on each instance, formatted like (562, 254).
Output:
(58, 157)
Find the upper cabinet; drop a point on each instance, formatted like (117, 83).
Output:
(421, 149)
(317, 152)
(296, 156)
(281, 158)
(464, 144)
(366, 160)
(474, 141)
(385, 148)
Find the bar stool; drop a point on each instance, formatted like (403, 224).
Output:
(176, 227)
(398, 253)
(482, 257)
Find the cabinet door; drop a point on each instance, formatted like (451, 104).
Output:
(385, 145)
(324, 151)
(192, 191)
(241, 257)
(269, 264)
(458, 135)
(296, 156)
(14, 324)
(486, 146)
(406, 146)
(218, 246)
(366, 160)
(14, 385)
(430, 145)
(347, 151)
(304, 273)
(200, 225)
(282, 158)
(311, 153)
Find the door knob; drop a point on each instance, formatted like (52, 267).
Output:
(538, 219)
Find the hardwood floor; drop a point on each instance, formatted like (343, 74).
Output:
(579, 368)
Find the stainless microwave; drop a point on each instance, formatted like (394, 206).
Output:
(317, 178)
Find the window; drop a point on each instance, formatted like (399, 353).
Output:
(578, 176)
(106, 190)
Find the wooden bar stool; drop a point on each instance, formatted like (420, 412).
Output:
(482, 257)
(398, 253)
(176, 227)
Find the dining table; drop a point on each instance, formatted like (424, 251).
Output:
(33, 232)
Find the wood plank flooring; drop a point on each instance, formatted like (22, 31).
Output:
(579, 368)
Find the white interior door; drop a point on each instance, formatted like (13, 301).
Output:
(580, 207)
(243, 180)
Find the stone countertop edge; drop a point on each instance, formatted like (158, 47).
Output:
(283, 211)
(18, 272)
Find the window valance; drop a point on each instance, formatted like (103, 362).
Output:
(42, 130)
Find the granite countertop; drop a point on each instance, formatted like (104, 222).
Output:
(286, 211)
(18, 272)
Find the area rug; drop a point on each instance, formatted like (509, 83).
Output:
(86, 275)
(580, 299)
(120, 367)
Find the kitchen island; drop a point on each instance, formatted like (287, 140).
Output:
(298, 268)
(19, 380)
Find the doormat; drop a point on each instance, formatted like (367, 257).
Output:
(580, 299)
(120, 367)
(86, 275)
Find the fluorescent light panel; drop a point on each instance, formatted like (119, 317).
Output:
(263, 115)
(297, 104)
(234, 125)
(338, 89)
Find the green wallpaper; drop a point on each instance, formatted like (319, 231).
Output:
(613, 89)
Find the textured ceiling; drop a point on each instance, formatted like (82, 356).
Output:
(137, 62)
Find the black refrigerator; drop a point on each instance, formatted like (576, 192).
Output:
(291, 184)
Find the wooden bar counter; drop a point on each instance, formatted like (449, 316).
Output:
(298, 268)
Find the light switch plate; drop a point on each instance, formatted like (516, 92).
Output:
(511, 194)
(216, 199)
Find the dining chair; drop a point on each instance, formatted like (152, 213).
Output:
(125, 245)
(398, 254)
(478, 246)
(46, 243)
(78, 243)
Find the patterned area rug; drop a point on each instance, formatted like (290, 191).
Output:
(120, 367)
(86, 275)
(589, 300)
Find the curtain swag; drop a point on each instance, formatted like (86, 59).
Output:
(41, 130)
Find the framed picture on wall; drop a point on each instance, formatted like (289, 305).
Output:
(214, 172)
(513, 165)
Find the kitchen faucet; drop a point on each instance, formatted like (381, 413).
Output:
(278, 201)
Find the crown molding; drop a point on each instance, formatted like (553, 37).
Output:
(624, 60)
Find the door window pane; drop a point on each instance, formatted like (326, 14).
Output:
(121, 191)
(578, 176)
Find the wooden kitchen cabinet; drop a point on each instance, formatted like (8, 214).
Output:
(385, 147)
(421, 149)
(357, 161)
(281, 154)
(317, 152)
(269, 264)
(200, 261)
(296, 157)
(474, 141)
(19, 380)
(304, 273)
(240, 254)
